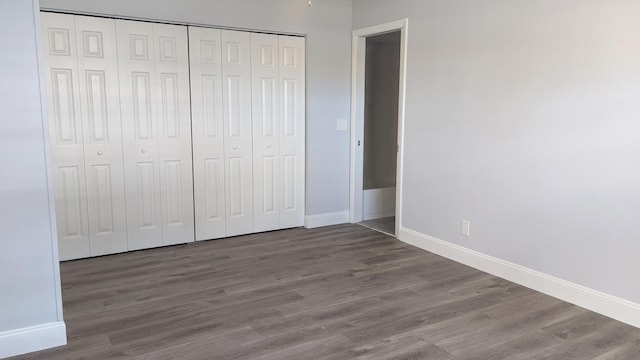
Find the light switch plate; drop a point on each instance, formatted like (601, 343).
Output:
(342, 124)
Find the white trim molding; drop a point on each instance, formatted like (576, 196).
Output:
(599, 302)
(32, 338)
(328, 219)
(47, 154)
(358, 54)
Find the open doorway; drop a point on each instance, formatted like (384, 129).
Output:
(379, 58)
(382, 77)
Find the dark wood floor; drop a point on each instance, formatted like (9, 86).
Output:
(385, 225)
(341, 292)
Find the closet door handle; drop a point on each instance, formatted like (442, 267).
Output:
(235, 147)
(100, 153)
(269, 146)
(143, 150)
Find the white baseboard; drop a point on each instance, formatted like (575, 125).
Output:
(378, 215)
(605, 304)
(378, 203)
(32, 338)
(328, 219)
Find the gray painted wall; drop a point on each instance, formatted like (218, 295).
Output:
(524, 117)
(328, 28)
(29, 275)
(382, 70)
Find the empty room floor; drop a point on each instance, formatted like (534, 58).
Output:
(340, 292)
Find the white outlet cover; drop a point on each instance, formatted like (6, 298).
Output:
(465, 226)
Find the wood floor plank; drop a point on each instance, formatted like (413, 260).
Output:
(338, 292)
(204, 346)
(403, 346)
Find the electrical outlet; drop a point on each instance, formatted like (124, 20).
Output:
(342, 124)
(464, 227)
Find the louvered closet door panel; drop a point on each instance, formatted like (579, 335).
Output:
(139, 93)
(174, 133)
(208, 132)
(292, 129)
(236, 90)
(100, 108)
(65, 125)
(267, 172)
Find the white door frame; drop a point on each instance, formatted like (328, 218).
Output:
(358, 54)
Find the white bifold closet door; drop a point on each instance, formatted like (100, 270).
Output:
(154, 91)
(81, 76)
(278, 103)
(121, 95)
(238, 144)
(222, 139)
(248, 131)
(208, 132)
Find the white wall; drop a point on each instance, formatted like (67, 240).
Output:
(524, 117)
(29, 275)
(327, 25)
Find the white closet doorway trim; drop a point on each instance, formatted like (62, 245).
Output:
(357, 115)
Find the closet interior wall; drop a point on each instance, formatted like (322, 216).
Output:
(166, 134)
